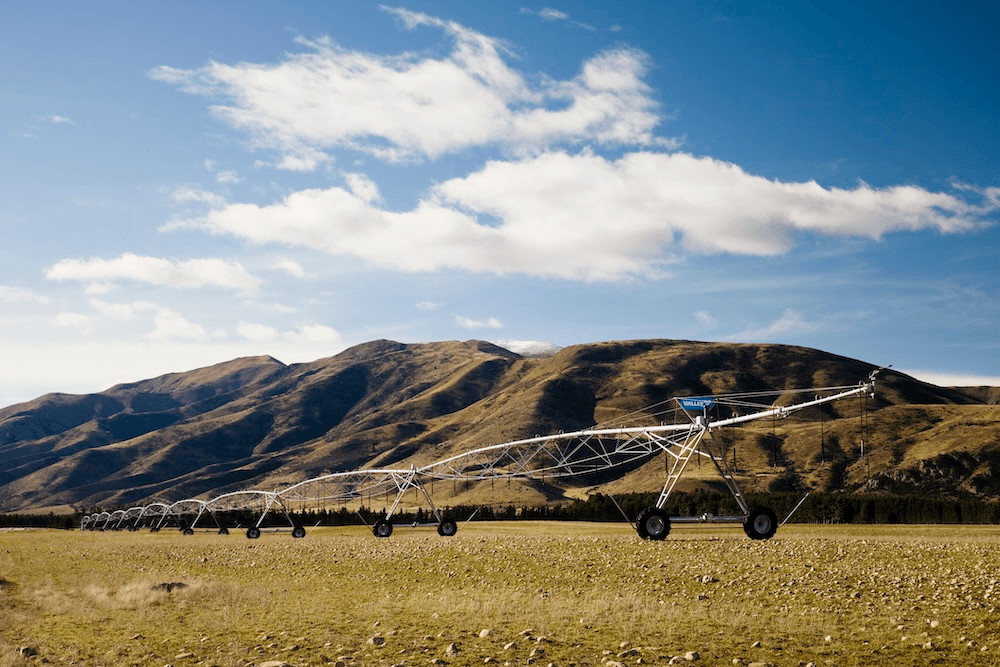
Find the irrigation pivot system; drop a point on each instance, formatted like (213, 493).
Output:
(560, 455)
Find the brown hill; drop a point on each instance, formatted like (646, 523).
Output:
(257, 423)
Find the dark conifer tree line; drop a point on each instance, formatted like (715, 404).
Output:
(818, 508)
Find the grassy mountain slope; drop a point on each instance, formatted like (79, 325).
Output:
(257, 423)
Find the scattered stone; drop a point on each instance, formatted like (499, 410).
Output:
(930, 646)
(510, 646)
(27, 652)
(709, 579)
(537, 652)
(935, 623)
(274, 663)
(484, 633)
(377, 640)
(452, 650)
(755, 645)
(692, 656)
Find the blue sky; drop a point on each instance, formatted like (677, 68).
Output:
(184, 183)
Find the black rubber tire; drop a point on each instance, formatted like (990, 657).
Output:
(760, 524)
(653, 524)
(447, 528)
(382, 528)
(188, 531)
(253, 532)
(223, 531)
(298, 532)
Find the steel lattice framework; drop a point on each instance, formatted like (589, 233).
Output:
(554, 456)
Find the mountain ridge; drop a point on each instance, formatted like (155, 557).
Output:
(255, 422)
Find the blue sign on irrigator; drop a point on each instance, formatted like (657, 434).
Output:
(697, 403)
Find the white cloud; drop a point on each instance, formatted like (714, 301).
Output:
(315, 333)
(189, 195)
(122, 311)
(362, 187)
(256, 332)
(471, 324)
(428, 306)
(304, 334)
(550, 14)
(157, 271)
(791, 323)
(33, 366)
(77, 321)
(304, 159)
(408, 106)
(228, 176)
(945, 379)
(60, 120)
(291, 267)
(100, 288)
(705, 319)
(172, 325)
(278, 308)
(21, 295)
(584, 217)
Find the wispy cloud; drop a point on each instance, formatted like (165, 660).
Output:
(473, 324)
(78, 321)
(791, 323)
(306, 334)
(705, 319)
(156, 271)
(943, 379)
(549, 14)
(188, 195)
(171, 325)
(60, 120)
(122, 311)
(428, 306)
(291, 267)
(256, 332)
(21, 295)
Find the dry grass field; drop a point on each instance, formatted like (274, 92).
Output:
(504, 593)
